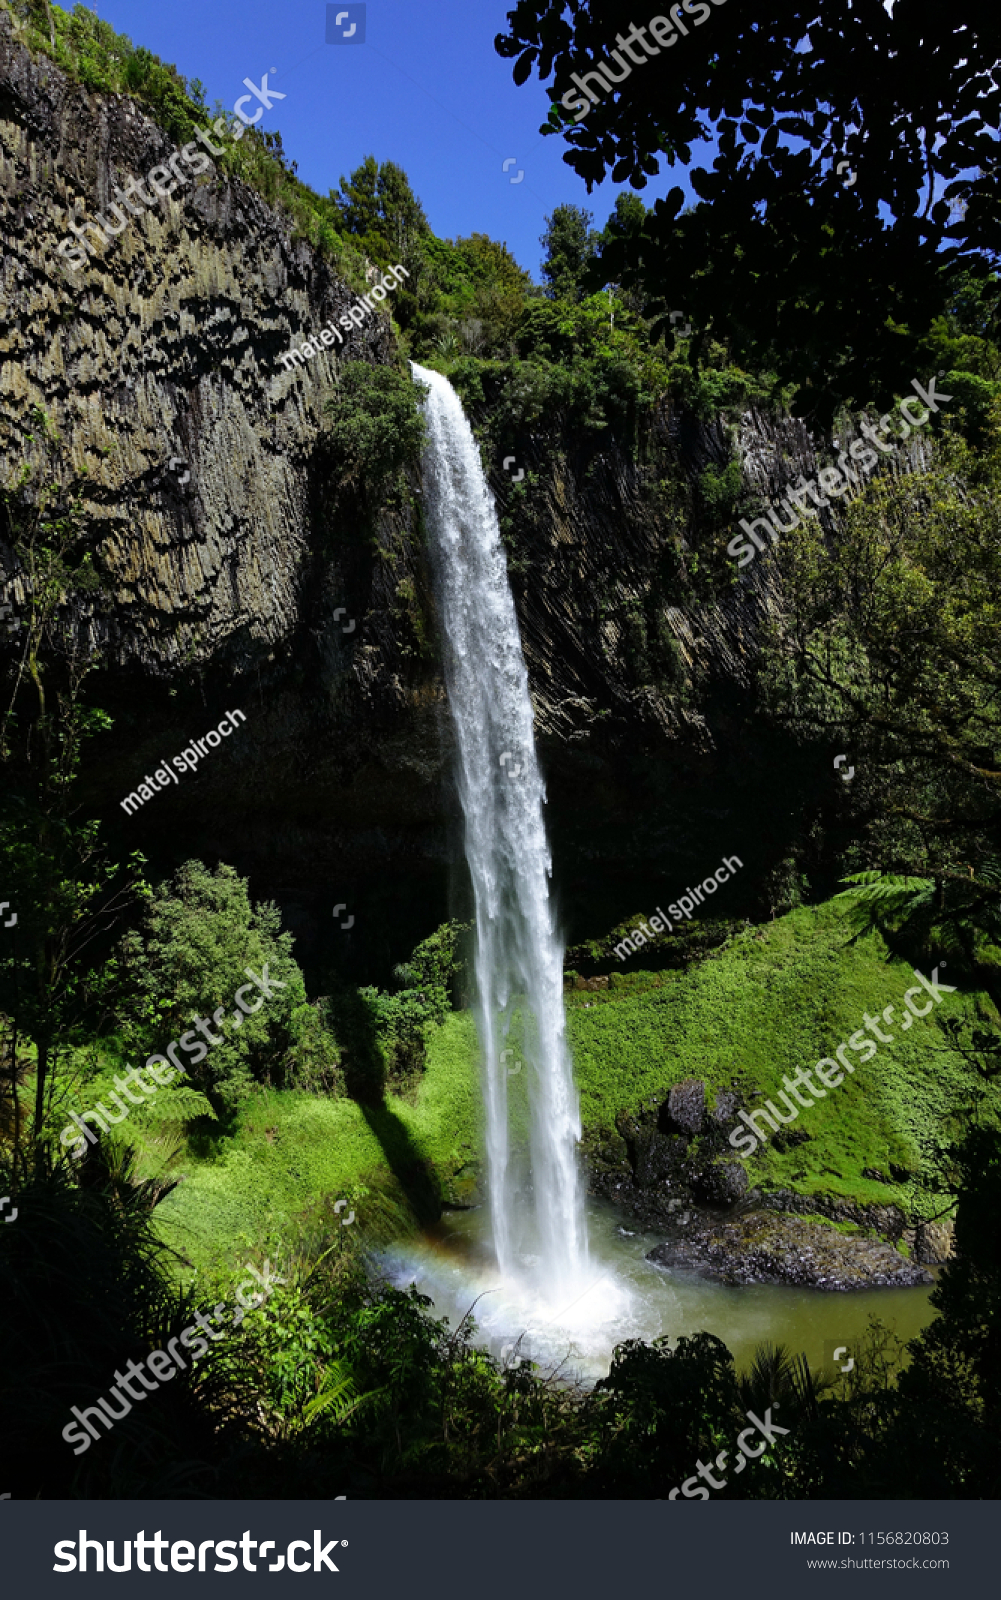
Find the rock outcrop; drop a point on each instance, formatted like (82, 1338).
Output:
(770, 1247)
(671, 1169)
(224, 579)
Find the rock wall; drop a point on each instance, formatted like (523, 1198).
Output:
(224, 583)
(158, 364)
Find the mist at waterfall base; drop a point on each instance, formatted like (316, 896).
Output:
(536, 1207)
(631, 1298)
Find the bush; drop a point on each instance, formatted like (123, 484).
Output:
(198, 937)
(376, 429)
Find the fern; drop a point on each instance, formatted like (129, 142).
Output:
(942, 917)
(175, 1106)
(336, 1398)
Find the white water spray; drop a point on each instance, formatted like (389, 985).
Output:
(519, 958)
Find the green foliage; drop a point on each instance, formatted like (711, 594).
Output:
(488, 265)
(466, 297)
(304, 1388)
(661, 1410)
(772, 1000)
(569, 242)
(285, 1149)
(378, 208)
(626, 218)
(714, 384)
(394, 1029)
(106, 62)
(573, 372)
(198, 937)
(721, 490)
(89, 50)
(651, 649)
(955, 1360)
(87, 1286)
(956, 916)
(376, 430)
(885, 638)
(976, 403)
(68, 894)
(924, 1423)
(769, 1001)
(836, 287)
(341, 1385)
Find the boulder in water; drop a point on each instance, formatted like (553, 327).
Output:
(768, 1247)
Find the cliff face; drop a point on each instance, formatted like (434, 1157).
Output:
(159, 365)
(224, 583)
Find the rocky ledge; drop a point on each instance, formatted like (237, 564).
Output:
(774, 1247)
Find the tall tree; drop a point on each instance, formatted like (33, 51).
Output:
(378, 206)
(65, 892)
(569, 242)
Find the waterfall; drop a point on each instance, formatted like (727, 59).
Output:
(519, 957)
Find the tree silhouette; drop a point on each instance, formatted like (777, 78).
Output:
(855, 169)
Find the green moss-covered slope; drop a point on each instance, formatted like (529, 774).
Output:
(290, 1150)
(772, 1000)
(775, 999)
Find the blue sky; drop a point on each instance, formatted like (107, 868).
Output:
(426, 89)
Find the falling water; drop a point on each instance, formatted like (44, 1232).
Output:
(519, 958)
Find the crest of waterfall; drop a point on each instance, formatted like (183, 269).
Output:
(519, 957)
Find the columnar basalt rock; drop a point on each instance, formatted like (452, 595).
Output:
(219, 567)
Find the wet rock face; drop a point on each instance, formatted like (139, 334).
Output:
(672, 1153)
(766, 1247)
(726, 1107)
(720, 1183)
(933, 1242)
(656, 1158)
(225, 580)
(158, 362)
(159, 365)
(686, 1106)
(672, 1168)
(888, 1220)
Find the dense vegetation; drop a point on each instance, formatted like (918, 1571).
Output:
(835, 281)
(335, 1385)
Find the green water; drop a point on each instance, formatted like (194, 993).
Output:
(625, 1296)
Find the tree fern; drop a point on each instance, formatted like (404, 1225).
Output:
(946, 916)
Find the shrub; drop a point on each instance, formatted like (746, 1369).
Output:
(376, 429)
(199, 935)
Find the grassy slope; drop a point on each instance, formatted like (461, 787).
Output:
(774, 999)
(291, 1149)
